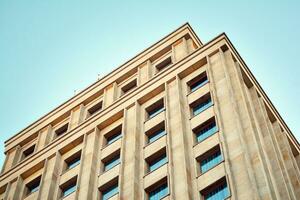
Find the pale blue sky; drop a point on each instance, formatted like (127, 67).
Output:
(50, 48)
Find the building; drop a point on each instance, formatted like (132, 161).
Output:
(181, 120)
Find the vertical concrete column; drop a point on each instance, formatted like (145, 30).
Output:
(15, 188)
(179, 163)
(12, 157)
(242, 170)
(144, 72)
(222, 137)
(51, 173)
(253, 134)
(130, 187)
(180, 49)
(44, 137)
(110, 94)
(88, 176)
(76, 116)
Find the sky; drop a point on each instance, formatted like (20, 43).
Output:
(48, 49)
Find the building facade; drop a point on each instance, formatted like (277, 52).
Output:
(181, 120)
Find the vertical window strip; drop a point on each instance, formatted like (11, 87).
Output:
(113, 138)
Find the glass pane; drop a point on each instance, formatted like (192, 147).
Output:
(110, 192)
(157, 163)
(113, 138)
(211, 161)
(159, 192)
(112, 163)
(220, 193)
(156, 135)
(69, 190)
(202, 106)
(198, 84)
(73, 163)
(155, 112)
(206, 132)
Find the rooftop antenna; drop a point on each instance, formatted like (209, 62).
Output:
(98, 77)
(75, 91)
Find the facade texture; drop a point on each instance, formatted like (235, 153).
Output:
(181, 120)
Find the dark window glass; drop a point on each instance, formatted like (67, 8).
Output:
(96, 108)
(155, 109)
(165, 63)
(62, 130)
(219, 193)
(153, 165)
(33, 186)
(28, 151)
(156, 135)
(198, 82)
(210, 161)
(73, 161)
(202, 105)
(129, 86)
(159, 192)
(68, 187)
(112, 162)
(111, 191)
(206, 131)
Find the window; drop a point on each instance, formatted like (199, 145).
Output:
(206, 130)
(156, 132)
(113, 135)
(210, 159)
(129, 86)
(155, 108)
(33, 185)
(198, 82)
(94, 109)
(153, 165)
(157, 160)
(68, 187)
(62, 130)
(159, 192)
(28, 151)
(201, 104)
(111, 162)
(111, 191)
(218, 191)
(73, 161)
(165, 63)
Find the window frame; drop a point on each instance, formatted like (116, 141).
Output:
(195, 80)
(203, 103)
(70, 184)
(196, 131)
(36, 183)
(155, 109)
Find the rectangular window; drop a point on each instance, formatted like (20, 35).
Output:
(110, 163)
(69, 187)
(207, 129)
(95, 109)
(33, 185)
(198, 82)
(164, 64)
(218, 191)
(201, 104)
(113, 135)
(155, 108)
(157, 163)
(159, 192)
(73, 161)
(62, 130)
(29, 151)
(157, 160)
(156, 132)
(111, 191)
(128, 87)
(210, 159)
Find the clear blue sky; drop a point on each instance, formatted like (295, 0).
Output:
(50, 48)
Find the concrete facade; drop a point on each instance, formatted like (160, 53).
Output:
(105, 137)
